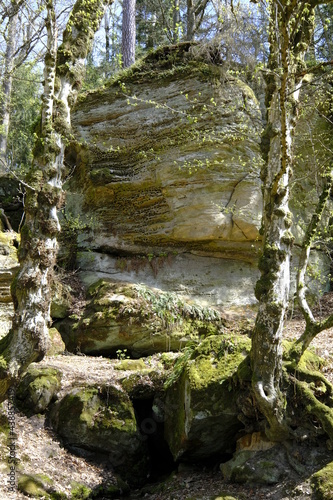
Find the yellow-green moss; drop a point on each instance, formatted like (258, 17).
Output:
(35, 486)
(322, 483)
(131, 364)
(217, 359)
(80, 491)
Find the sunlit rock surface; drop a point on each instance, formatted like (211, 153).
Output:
(168, 168)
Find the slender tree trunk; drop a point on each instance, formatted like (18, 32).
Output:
(176, 21)
(7, 89)
(290, 33)
(128, 33)
(31, 290)
(312, 326)
(190, 17)
(107, 36)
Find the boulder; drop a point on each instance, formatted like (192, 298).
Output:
(201, 400)
(138, 319)
(102, 420)
(37, 389)
(57, 345)
(62, 300)
(167, 168)
(322, 483)
(166, 189)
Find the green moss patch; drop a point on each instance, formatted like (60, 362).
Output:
(322, 483)
(37, 389)
(80, 491)
(201, 394)
(36, 486)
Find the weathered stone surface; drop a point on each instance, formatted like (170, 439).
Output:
(262, 467)
(8, 264)
(207, 280)
(57, 345)
(170, 165)
(137, 318)
(102, 419)
(201, 417)
(166, 187)
(62, 300)
(8, 268)
(37, 389)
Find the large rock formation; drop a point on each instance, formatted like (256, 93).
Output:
(166, 188)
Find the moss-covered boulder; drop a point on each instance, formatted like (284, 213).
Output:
(37, 486)
(102, 420)
(261, 467)
(322, 483)
(201, 417)
(137, 318)
(37, 389)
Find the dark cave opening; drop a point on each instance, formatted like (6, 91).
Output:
(151, 428)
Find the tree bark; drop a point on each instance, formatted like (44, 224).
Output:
(128, 33)
(28, 339)
(190, 17)
(176, 21)
(312, 326)
(290, 33)
(7, 88)
(194, 16)
(107, 36)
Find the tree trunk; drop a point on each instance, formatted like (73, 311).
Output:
(290, 33)
(7, 89)
(107, 36)
(128, 33)
(312, 326)
(176, 21)
(190, 17)
(31, 290)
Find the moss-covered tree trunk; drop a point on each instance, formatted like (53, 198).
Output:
(290, 30)
(31, 290)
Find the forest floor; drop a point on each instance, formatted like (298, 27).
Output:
(40, 452)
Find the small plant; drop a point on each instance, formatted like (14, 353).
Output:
(122, 354)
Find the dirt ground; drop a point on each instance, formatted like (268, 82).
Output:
(39, 451)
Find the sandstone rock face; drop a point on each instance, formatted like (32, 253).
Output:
(166, 189)
(169, 167)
